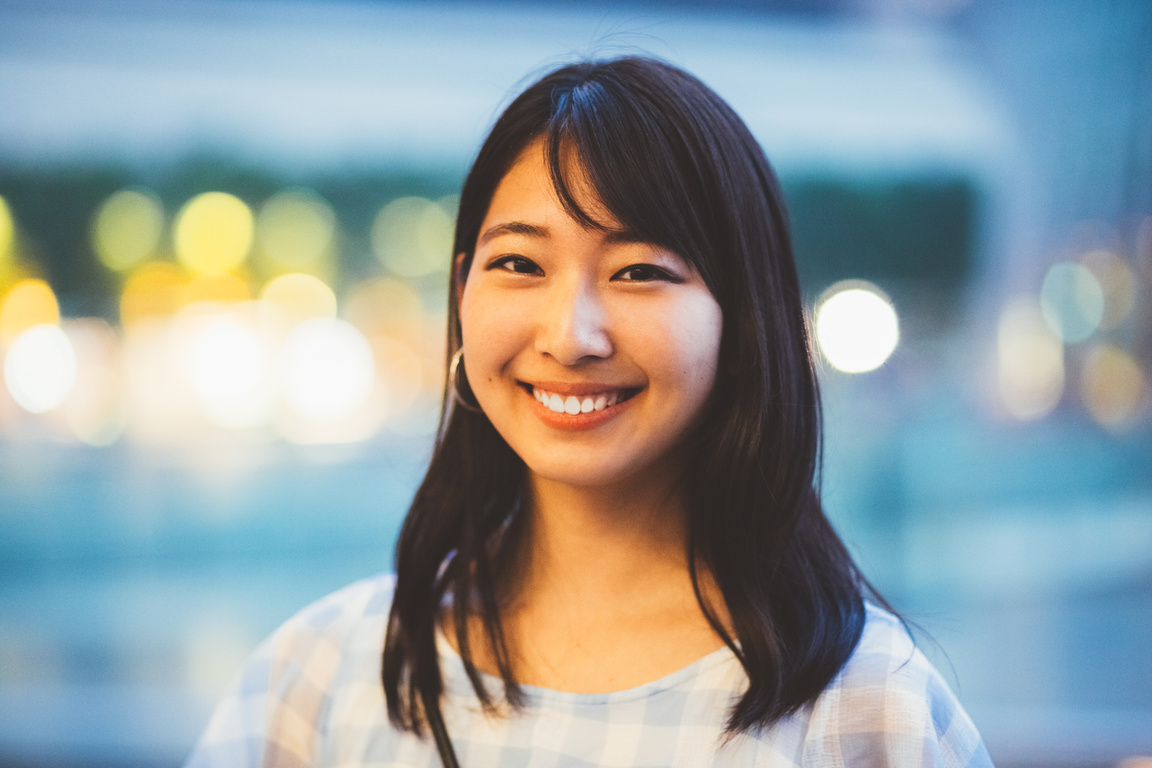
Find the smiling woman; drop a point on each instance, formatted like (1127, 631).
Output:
(552, 309)
(618, 555)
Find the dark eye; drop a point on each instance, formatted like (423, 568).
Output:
(644, 273)
(517, 264)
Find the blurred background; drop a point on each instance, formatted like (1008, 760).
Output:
(224, 236)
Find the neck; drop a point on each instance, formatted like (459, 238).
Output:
(594, 544)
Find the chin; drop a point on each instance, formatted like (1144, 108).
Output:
(585, 473)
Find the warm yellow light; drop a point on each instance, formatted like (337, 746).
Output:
(28, 303)
(298, 297)
(127, 228)
(7, 231)
(295, 228)
(856, 327)
(1031, 361)
(1113, 386)
(412, 237)
(217, 287)
(40, 368)
(153, 290)
(213, 232)
(386, 307)
(401, 368)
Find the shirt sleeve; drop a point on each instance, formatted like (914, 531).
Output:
(276, 711)
(890, 708)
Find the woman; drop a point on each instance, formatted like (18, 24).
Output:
(618, 555)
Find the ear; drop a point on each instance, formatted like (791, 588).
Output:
(459, 276)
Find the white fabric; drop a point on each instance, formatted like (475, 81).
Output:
(311, 696)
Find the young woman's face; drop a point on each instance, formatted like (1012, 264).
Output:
(592, 354)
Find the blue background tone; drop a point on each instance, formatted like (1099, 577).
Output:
(134, 577)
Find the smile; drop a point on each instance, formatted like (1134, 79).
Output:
(574, 405)
(579, 402)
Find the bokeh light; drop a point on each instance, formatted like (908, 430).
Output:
(402, 370)
(412, 236)
(1072, 301)
(127, 228)
(229, 366)
(154, 290)
(1112, 385)
(96, 409)
(326, 369)
(7, 231)
(40, 368)
(297, 297)
(213, 232)
(161, 405)
(1031, 361)
(28, 303)
(856, 327)
(386, 306)
(295, 229)
(1117, 283)
(216, 288)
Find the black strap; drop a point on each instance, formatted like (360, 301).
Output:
(439, 732)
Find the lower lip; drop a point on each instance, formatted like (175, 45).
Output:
(577, 421)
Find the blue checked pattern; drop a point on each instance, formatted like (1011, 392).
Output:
(311, 696)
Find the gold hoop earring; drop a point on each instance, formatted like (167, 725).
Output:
(454, 383)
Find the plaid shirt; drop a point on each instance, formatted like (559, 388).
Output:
(311, 696)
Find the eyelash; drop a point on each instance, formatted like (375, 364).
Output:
(654, 273)
(515, 261)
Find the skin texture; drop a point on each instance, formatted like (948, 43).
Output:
(600, 598)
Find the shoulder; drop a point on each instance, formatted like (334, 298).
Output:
(339, 619)
(279, 704)
(889, 706)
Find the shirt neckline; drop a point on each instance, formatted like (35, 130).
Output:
(458, 683)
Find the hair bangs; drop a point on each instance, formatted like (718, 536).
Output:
(617, 166)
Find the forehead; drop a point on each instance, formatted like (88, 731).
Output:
(528, 190)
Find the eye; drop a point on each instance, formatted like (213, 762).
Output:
(645, 273)
(516, 264)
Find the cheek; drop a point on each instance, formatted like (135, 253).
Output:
(683, 340)
(488, 328)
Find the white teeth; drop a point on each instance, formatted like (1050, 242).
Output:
(574, 404)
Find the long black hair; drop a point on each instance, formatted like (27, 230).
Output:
(674, 164)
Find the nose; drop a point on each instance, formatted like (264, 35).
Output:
(573, 326)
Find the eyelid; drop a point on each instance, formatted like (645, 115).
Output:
(659, 273)
(500, 261)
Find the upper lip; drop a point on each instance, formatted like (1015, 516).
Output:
(577, 389)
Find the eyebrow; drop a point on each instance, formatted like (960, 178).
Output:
(512, 228)
(611, 237)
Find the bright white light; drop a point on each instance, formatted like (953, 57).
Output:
(327, 369)
(40, 368)
(856, 327)
(1072, 301)
(230, 368)
(1031, 361)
